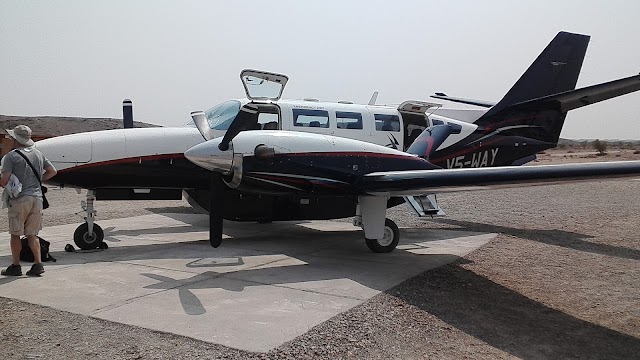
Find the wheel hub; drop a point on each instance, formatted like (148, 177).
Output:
(89, 238)
(387, 237)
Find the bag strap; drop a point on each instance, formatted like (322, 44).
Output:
(31, 166)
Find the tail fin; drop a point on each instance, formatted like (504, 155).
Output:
(555, 71)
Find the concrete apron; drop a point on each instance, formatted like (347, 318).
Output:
(266, 284)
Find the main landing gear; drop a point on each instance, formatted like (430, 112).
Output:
(389, 240)
(370, 215)
(89, 235)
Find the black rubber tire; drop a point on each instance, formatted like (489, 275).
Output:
(376, 247)
(82, 239)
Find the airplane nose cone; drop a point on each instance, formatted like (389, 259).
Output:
(210, 157)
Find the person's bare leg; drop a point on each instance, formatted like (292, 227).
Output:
(34, 244)
(16, 247)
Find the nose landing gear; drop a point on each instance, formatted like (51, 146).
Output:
(89, 235)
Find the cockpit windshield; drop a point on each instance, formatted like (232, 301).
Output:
(221, 116)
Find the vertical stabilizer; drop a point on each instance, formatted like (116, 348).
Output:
(554, 71)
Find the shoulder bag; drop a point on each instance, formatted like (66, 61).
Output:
(45, 203)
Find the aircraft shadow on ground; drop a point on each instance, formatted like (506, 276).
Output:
(174, 210)
(351, 260)
(192, 224)
(566, 239)
(472, 303)
(510, 321)
(110, 234)
(280, 276)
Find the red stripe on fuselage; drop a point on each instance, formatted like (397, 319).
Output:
(181, 156)
(125, 161)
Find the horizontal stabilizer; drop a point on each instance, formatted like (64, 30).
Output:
(417, 182)
(482, 103)
(574, 99)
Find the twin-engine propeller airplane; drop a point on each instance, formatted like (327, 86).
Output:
(273, 159)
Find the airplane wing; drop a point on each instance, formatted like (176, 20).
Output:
(418, 182)
(482, 103)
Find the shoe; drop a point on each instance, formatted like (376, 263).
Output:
(12, 270)
(36, 270)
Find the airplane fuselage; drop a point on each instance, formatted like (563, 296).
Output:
(148, 163)
(128, 164)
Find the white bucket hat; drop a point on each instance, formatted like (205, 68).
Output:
(22, 134)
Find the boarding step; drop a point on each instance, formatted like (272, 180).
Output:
(425, 205)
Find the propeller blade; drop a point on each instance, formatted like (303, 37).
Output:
(246, 118)
(216, 199)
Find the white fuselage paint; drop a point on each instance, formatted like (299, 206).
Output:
(108, 145)
(97, 147)
(289, 142)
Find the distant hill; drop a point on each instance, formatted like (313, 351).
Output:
(46, 126)
(55, 125)
(587, 143)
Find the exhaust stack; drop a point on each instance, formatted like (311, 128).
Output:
(127, 113)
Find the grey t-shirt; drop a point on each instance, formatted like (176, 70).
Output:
(15, 164)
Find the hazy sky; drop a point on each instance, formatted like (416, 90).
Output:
(82, 58)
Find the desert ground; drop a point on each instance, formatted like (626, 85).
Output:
(561, 280)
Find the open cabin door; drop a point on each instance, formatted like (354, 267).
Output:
(263, 89)
(415, 118)
(417, 107)
(263, 86)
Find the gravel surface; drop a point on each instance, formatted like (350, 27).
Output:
(562, 280)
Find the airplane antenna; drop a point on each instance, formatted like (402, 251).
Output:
(374, 97)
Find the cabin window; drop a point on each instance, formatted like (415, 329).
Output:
(268, 121)
(348, 120)
(437, 122)
(310, 118)
(387, 122)
(455, 128)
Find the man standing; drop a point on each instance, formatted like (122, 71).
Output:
(25, 210)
